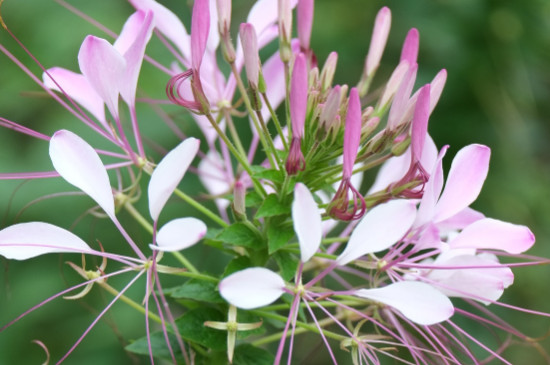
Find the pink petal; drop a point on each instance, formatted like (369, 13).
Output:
(200, 28)
(168, 24)
(493, 234)
(401, 98)
(432, 190)
(252, 288)
(420, 122)
(391, 171)
(134, 53)
(79, 164)
(378, 40)
(79, 89)
(379, 229)
(307, 221)
(26, 240)
(468, 172)
(393, 83)
(298, 95)
(352, 132)
(179, 234)
(473, 279)
(437, 88)
(264, 13)
(409, 52)
(305, 22)
(168, 174)
(103, 66)
(460, 220)
(214, 178)
(419, 302)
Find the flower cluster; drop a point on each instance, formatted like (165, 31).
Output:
(380, 270)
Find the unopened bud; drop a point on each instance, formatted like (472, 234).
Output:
(305, 22)
(327, 73)
(224, 16)
(238, 205)
(327, 119)
(400, 146)
(285, 29)
(250, 51)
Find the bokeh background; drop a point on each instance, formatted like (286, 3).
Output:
(497, 54)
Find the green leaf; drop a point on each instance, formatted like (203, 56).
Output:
(204, 291)
(237, 264)
(191, 327)
(252, 199)
(288, 264)
(240, 234)
(272, 207)
(250, 355)
(278, 234)
(273, 175)
(158, 345)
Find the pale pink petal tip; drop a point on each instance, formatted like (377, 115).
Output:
(104, 67)
(410, 47)
(307, 222)
(168, 174)
(379, 38)
(466, 177)
(79, 164)
(379, 229)
(26, 240)
(252, 288)
(417, 301)
(179, 234)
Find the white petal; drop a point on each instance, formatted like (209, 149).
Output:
(419, 302)
(168, 174)
(179, 234)
(213, 177)
(79, 164)
(381, 227)
(494, 234)
(25, 240)
(307, 222)
(252, 288)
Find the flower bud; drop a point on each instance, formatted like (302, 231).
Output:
(305, 22)
(327, 73)
(224, 16)
(250, 51)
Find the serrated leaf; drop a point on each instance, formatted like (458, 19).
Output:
(249, 355)
(272, 207)
(240, 234)
(191, 327)
(288, 264)
(203, 291)
(278, 235)
(237, 264)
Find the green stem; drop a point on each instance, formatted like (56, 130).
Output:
(275, 120)
(242, 159)
(305, 326)
(149, 228)
(130, 302)
(201, 208)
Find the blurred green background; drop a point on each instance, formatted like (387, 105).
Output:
(497, 54)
